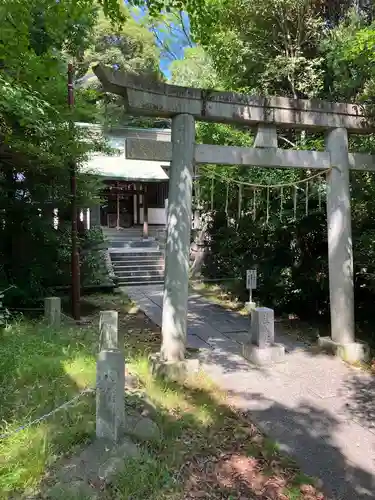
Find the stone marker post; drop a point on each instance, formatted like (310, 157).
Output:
(52, 310)
(263, 327)
(110, 381)
(177, 248)
(108, 328)
(340, 252)
(262, 349)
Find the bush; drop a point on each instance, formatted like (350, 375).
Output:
(290, 256)
(46, 264)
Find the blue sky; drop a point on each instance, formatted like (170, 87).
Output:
(173, 38)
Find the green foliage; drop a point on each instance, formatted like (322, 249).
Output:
(262, 46)
(4, 313)
(195, 8)
(290, 253)
(129, 47)
(195, 70)
(350, 57)
(294, 48)
(37, 144)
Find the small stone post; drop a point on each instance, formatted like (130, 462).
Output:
(52, 311)
(110, 381)
(262, 349)
(263, 327)
(177, 249)
(108, 328)
(340, 251)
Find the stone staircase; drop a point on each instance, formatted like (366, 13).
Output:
(136, 261)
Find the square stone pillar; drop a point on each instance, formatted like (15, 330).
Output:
(52, 311)
(262, 348)
(340, 252)
(177, 249)
(95, 216)
(108, 328)
(110, 398)
(110, 380)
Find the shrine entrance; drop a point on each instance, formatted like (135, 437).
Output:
(121, 200)
(117, 212)
(266, 116)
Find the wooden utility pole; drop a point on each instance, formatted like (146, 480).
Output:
(76, 280)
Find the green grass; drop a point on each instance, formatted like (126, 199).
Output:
(143, 477)
(42, 367)
(219, 294)
(197, 425)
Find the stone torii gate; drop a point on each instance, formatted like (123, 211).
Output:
(184, 106)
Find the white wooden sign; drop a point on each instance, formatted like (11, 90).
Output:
(251, 279)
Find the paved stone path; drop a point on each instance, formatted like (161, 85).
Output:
(319, 410)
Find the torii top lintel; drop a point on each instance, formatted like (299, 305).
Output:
(152, 98)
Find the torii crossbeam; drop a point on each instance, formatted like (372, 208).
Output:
(150, 149)
(184, 106)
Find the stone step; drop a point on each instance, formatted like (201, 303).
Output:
(140, 273)
(135, 263)
(135, 255)
(131, 253)
(118, 256)
(141, 283)
(127, 233)
(151, 236)
(131, 245)
(138, 266)
(141, 266)
(134, 238)
(130, 238)
(140, 280)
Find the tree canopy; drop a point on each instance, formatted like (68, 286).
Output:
(298, 48)
(127, 46)
(37, 139)
(295, 48)
(194, 70)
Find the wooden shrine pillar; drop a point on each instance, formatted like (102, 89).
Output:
(138, 203)
(117, 206)
(145, 212)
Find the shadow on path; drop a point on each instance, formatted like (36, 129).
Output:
(308, 434)
(319, 410)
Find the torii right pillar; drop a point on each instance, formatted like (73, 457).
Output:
(340, 253)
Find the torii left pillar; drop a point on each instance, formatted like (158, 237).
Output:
(177, 250)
